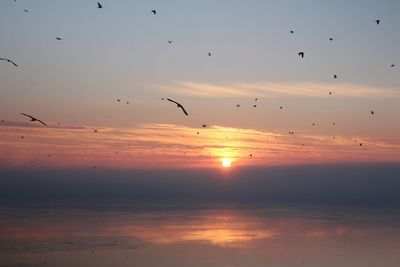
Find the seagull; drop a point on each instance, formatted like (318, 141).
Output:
(170, 41)
(372, 112)
(378, 21)
(301, 54)
(33, 118)
(334, 76)
(209, 54)
(99, 5)
(10, 61)
(392, 66)
(118, 100)
(179, 106)
(154, 11)
(292, 32)
(94, 130)
(254, 106)
(58, 38)
(204, 125)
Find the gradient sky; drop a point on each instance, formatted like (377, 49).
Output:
(121, 51)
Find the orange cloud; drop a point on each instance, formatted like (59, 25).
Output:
(166, 145)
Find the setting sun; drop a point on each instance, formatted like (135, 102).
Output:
(226, 163)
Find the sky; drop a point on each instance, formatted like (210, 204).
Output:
(122, 52)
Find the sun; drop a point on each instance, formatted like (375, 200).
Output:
(226, 163)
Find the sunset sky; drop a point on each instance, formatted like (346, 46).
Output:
(122, 52)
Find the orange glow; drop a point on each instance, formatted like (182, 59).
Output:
(176, 146)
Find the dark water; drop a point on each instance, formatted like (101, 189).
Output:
(219, 236)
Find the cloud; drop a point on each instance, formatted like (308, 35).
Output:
(153, 145)
(275, 89)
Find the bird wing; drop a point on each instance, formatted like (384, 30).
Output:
(28, 115)
(183, 109)
(42, 122)
(173, 101)
(8, 60)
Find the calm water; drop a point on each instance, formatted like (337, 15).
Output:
(222, 236)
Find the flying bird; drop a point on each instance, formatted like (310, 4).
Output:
(237, 105)
(301, 54)
(378, 21)
(99, 5)
(170, 41)
(254, 106)
(154, 11)
(292, 32)
(10, 61)
(94, 130)
(209, 54)
(331, 39)
(372, 112)
(392, 66)
(281, 107)
(58, 38)
(26, 10)
(33, 118)
(334, 76)
(330, 93)
(118, 100)
(179, 106)
(204, 125)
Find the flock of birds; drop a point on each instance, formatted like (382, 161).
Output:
(179, 105)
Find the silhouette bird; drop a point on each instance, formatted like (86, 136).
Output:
(334, 76)
(58, 38)
(330, 93)
(179, 106)
(26, 10)
(372, 112)
(154, 11)
(127, 102)
(204, 125)
(209, 54)
(255, 99)
(392, 66)
(292, 32)
(254, 106)
(333, 123)
(33, 118)
(281, 107)
(291, 132)
(118, 100)
(301, 54)
(378, 21)
(237, 105)
(170, 41)
(250, 155)
(361, 144)
(99, 5)
(331, 39)
(313, 124)
(94, 130)
(10, 61)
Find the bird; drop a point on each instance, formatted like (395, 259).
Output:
(170, 41)
(292, 32)
(99, 5)
(361, 144)
(372, 112)
(378, 21)
(94, 130)
(204, 125)
(331, 39)
(330, 93)
(333, 123)
(250, 155)
(10, 61)
(392, 66)
(301, 54)
(154, 11)
(313, 124)
(254, 106)
(281, 107)
(209, 54)
(26, 10)
(58, 38)
(127, 102)
(33, 118)
(291, 132)
(334, 76)
(255, 99)
(179, 106)
(118, 100)
(237, 105)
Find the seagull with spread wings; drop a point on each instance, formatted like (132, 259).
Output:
(178, 105)
(34, 119)
(10, 61)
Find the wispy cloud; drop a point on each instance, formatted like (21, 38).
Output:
(169, 145)
(275, 89)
